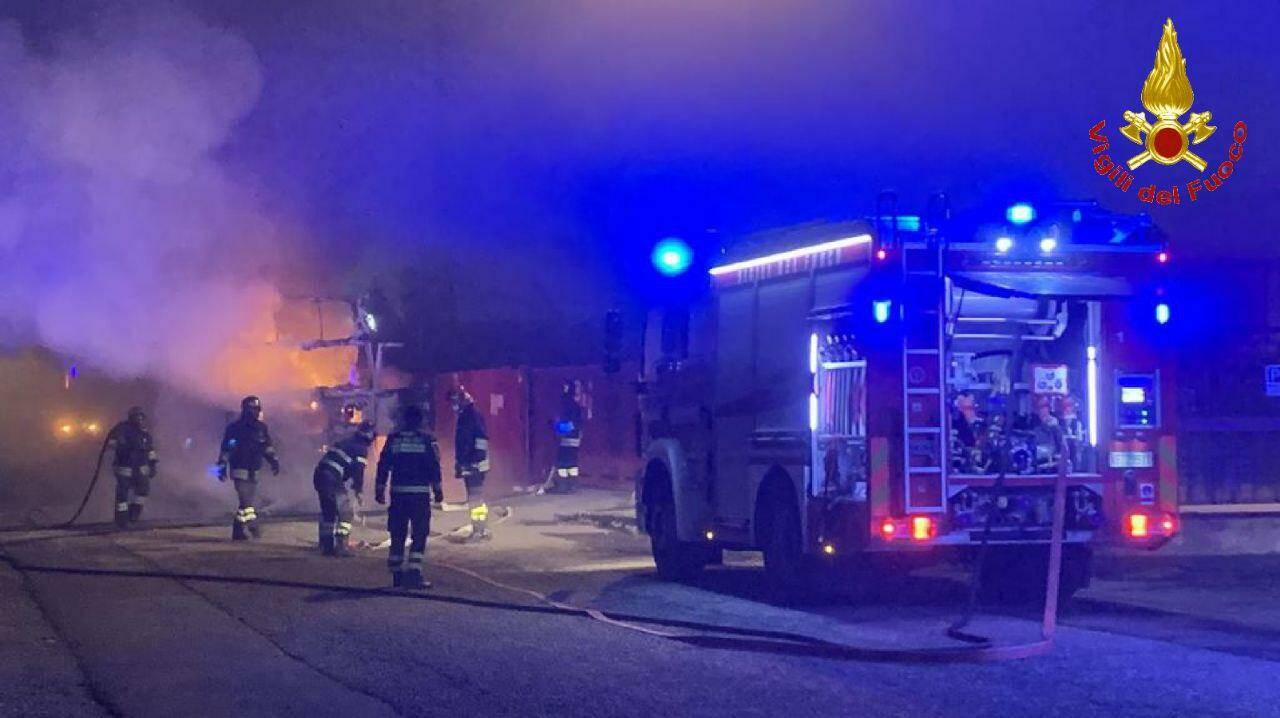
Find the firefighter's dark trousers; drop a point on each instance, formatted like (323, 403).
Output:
(336, 512)
(133, 486)
(409, 516)
(566, 478)
(246, 521)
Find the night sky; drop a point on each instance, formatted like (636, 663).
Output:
(536, 150)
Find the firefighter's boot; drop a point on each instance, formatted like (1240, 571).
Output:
(328, 546)
(397, 579)
(251, 523)
(135, 512)
(342, 546)
(122, 516)
(479, 524)
(412, 579)
(238, 531)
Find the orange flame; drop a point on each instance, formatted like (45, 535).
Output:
(1167, 91)
(267, 359)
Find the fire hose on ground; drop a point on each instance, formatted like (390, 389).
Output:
(88, 493)
(827, 649)
(986, 652)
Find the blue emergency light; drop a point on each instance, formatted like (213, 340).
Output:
(672, 257)
(880, 308)
(1162, 313)
(1021, 213)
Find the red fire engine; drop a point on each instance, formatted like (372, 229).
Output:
(887, 391)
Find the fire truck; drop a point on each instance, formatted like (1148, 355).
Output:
(897, 390)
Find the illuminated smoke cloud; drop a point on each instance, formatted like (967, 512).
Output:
(124, 241)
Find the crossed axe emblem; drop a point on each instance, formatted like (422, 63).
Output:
(1166, 141)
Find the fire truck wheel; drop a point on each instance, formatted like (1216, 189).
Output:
(676, 560)
(786, 569)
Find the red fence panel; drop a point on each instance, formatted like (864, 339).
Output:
(610, 412)
(501, 397)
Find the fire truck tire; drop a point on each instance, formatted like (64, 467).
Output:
(788, 572)
(676, 560)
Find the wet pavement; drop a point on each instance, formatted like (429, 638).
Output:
(167, 621)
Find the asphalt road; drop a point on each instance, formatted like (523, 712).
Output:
(180, 621)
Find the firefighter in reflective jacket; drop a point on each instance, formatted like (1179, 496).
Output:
(246, 444)
(471, 462)
(410, 463)
(343, 463)
(133, 461)
(569, 438)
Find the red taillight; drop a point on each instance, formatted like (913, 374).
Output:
(922, 528)
(887, 528)
(882, 254)
(1162, 257)
(1139, 525)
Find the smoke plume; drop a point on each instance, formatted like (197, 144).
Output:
(124, 240)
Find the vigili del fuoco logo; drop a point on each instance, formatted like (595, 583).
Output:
(1167, 140)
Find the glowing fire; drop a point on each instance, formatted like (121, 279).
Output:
(1167, 91)
(267, 357)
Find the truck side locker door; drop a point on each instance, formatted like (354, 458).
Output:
(734, 403)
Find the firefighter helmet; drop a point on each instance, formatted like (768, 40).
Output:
(411, 416)
(251, 406)
(458, 398)
(137, 415)
(366, 431)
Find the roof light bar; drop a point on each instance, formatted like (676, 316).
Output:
(791, 254)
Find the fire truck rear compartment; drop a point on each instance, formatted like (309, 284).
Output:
(1017, 372)
(1025, 512)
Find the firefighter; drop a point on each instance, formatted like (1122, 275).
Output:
(343, 463)
(471, 462)
(410, 462)
(246, 445)
(569, 437)
(133, 463)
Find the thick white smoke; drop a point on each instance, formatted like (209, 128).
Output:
(124, 240)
